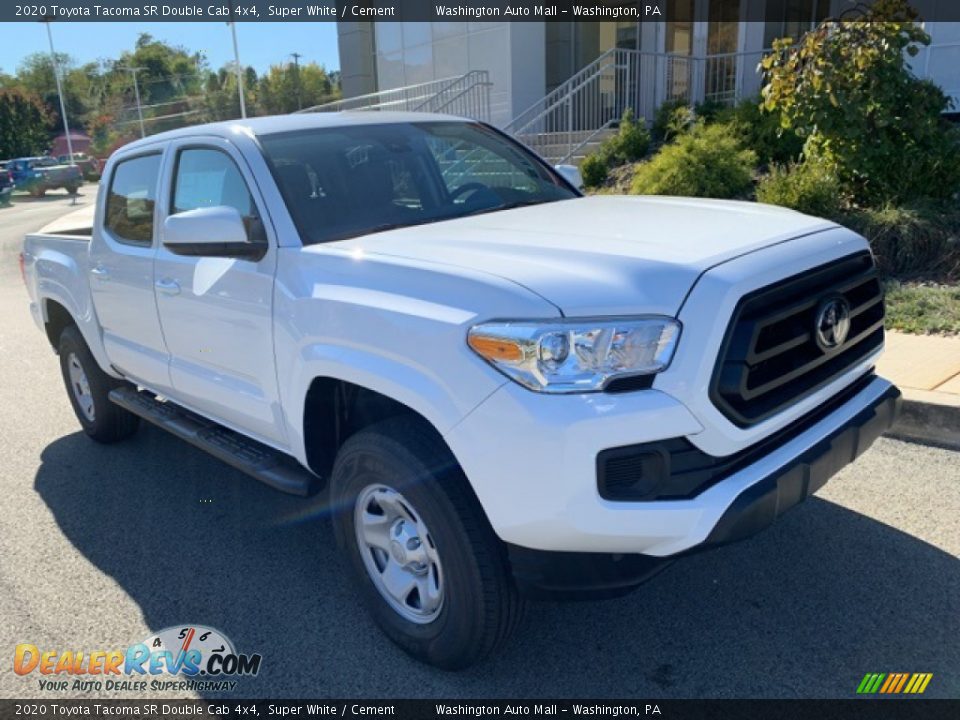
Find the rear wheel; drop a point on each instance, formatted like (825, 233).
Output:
(38, 192)
(72, 189)
(88, 388)
(429, 567)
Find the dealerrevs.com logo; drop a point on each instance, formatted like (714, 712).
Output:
(186, 657)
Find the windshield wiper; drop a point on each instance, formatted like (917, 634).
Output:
(506, 206)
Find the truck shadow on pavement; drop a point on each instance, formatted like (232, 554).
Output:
(804, 609)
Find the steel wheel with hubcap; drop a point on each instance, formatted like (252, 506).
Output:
(81, 387)
(88, 388)
(399, 553)
(429, 567)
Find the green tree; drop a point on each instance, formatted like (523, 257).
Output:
(35, 75)
(23, 124)
(846, 87)
(221, 101)
(285, 88)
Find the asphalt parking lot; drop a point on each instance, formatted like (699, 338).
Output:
(102, 546)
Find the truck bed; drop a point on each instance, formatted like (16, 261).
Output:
(76, 225)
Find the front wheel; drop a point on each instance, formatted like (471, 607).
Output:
(430, 569)
(88, 388)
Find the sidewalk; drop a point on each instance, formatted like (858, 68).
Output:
(927, 369)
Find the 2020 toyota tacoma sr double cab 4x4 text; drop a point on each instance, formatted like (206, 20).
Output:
(505, 389)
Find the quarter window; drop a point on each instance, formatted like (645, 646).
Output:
(131, 200)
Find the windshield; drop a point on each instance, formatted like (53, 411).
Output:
(342, 182)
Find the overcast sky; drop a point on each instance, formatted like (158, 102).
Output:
(261, 44)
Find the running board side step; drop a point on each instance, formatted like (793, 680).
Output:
(267, 465)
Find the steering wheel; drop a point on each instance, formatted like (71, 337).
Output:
(467, 187)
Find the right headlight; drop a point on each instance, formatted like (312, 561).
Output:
(572, 356)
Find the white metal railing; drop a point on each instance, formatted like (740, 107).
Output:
(577, 113)
(467, 95)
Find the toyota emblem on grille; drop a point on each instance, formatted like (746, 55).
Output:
(833, 323)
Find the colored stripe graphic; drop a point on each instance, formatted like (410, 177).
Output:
(903, 680)
(894, 683)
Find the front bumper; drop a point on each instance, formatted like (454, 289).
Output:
(534, 472)
(591, 575)
(764, 501)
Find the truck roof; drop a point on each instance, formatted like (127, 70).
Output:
(296, 121)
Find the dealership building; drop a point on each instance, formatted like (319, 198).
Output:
(562, 84)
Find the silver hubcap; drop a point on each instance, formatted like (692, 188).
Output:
(81, 387)
(399, 553)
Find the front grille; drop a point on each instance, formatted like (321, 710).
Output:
(770, 357)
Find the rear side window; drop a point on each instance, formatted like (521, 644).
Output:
(131, 200)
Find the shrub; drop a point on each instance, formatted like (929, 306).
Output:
(847, 87)
(810, 187)
(594, 170)
(709, 161)
(672, 118)
(913, 240)
(629, 144)
(760, 130)
(712, 111)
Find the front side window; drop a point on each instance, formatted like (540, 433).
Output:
(131, 199)
(207, 177)
(347, 181)
(210, 178)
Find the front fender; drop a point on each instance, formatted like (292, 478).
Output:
(420, 389)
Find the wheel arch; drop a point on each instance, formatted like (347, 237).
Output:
(336, 409)
(56, 319)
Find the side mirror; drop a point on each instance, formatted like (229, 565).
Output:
(210, 232)
(571, 173)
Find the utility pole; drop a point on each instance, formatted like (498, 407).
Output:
(296, 70)
(136, 91)
(56, 75)
(236, 56)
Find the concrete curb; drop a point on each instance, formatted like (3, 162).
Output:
(929, 417)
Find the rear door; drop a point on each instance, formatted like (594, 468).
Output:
(121, 270)
(216, 312)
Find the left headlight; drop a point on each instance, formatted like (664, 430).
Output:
(571, 356)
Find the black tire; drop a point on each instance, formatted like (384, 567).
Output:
(481, 606)
(109, 423)
(72, 189)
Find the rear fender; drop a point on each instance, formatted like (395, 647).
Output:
(61, 280)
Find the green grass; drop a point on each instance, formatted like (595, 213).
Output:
(923, 308)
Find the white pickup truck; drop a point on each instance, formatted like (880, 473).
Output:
(503, 388)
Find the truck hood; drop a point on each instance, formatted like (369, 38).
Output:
(600, 255)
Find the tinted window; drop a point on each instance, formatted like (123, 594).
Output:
(130, 203)
(346, 181)
(210, 178)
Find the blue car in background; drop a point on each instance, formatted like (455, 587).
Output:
(36, 175)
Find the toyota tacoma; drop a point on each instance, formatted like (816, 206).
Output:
(503, 388)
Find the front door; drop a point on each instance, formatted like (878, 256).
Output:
(121, 271)
(217, 312)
